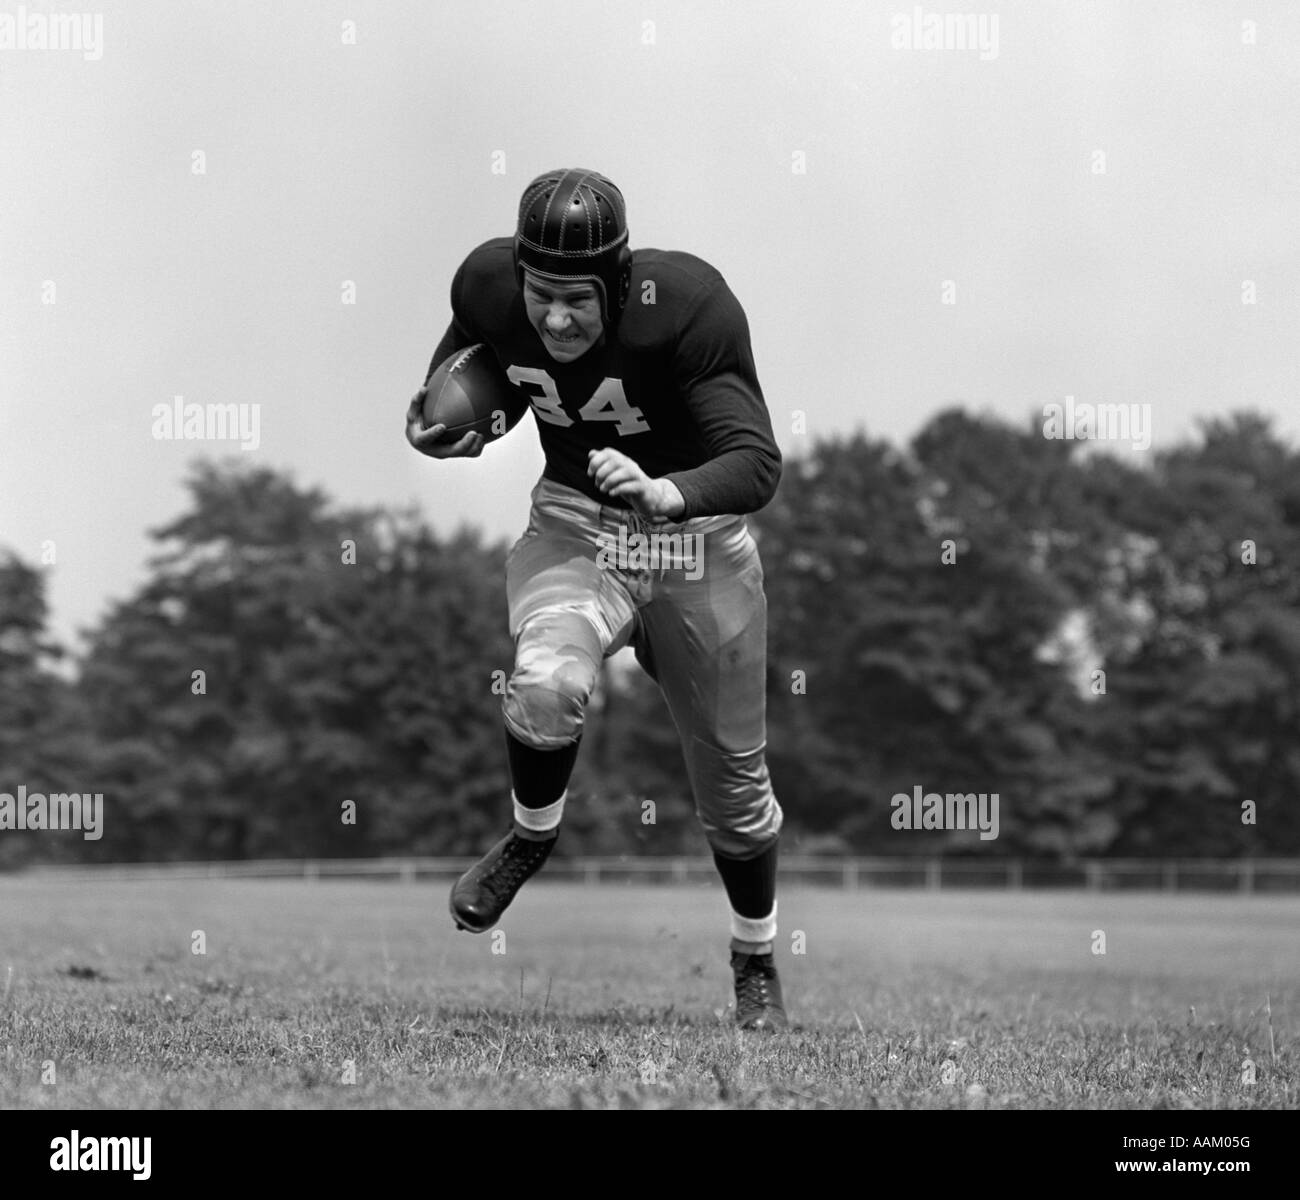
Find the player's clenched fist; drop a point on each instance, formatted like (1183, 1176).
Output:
(426, 441)
(615, 473)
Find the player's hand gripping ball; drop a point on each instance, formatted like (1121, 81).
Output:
(467, 402)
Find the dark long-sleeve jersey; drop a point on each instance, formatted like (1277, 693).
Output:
(675, 389)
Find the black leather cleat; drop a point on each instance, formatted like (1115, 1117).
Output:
(759, 1004)
(484, 892)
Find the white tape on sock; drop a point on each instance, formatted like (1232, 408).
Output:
(754, 929)
(540, 820)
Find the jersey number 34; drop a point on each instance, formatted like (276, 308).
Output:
(608, 402)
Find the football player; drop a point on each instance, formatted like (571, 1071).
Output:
(642, 382)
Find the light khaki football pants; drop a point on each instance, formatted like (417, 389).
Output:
(580, 588)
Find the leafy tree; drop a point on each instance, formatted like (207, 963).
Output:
(299, 680)
(43, 745)
(1209, 690)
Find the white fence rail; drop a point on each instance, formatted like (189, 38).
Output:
(1170, 875)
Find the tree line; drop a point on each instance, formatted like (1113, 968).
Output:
(1111, 648)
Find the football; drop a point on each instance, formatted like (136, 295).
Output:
(469, 391)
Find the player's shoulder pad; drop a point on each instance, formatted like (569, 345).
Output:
(485, 288)
(671, 292)
(489, 262)
(683, 275)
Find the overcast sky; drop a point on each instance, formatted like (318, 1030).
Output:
(1116, 279)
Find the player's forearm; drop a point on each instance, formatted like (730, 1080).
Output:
(672, 504)
(739, 481)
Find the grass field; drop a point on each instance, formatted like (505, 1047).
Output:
(615, 996)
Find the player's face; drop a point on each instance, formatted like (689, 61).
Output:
(565, 315)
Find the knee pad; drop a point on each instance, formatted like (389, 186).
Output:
(546, 696)
(734, 801)
(749, 839)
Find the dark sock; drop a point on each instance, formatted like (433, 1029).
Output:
(539, 777)
(750, 882)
